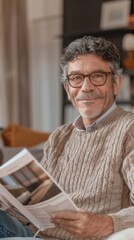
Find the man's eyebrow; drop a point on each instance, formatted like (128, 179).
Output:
(74, 72)
(78, 72)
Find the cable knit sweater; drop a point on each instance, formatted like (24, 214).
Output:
(96, 169)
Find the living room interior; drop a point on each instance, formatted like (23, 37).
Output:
(30, 48)
(33, 101)
(33, 34)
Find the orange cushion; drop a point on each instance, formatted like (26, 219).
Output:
(17, 136)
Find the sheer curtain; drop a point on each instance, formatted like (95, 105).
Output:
(3, 93)
(45, 21)
(14, 77)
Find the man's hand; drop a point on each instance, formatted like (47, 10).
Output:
(84, 224)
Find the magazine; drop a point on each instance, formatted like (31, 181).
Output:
(26, 186)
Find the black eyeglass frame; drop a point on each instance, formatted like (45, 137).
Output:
(88, 75)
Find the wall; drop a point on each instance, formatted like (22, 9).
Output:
(44, 25)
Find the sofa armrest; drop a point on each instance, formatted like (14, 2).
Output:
(15, 135)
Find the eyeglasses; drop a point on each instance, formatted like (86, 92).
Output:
(96, 78)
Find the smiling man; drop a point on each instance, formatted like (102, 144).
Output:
(91, 86)
(92, 159)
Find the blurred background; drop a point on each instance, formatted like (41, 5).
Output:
(30, 47)
(32, 36)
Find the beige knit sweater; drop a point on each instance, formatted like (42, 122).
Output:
(96, 169)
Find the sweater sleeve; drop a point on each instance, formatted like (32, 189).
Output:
(125, 217)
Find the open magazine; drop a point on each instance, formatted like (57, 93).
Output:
(26, 186)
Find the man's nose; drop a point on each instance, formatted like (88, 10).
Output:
(87, 85)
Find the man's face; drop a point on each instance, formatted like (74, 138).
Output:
(91, 101)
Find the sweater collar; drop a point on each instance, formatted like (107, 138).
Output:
(78, 123)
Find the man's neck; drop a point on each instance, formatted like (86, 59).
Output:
(89, 122)
(79, 124)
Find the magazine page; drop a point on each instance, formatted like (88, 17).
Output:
(25, 185)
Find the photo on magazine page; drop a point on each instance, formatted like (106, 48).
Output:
(30, 185)
(25, 186)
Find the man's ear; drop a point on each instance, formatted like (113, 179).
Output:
(117, 85)
(66, 87)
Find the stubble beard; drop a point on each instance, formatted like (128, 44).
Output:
(93, 115)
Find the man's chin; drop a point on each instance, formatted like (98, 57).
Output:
(90, 115)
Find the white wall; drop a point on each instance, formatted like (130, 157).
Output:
(44, 25)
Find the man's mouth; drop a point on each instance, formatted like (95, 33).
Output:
(88, 99)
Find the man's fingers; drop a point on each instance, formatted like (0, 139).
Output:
(66, 215)
(64, 222)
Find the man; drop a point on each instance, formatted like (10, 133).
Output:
(93, 158)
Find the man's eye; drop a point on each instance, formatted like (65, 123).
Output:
(97, 75)
(77, 77)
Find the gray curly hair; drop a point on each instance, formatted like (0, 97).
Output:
(98, 46)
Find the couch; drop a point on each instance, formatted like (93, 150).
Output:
(16, 137)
